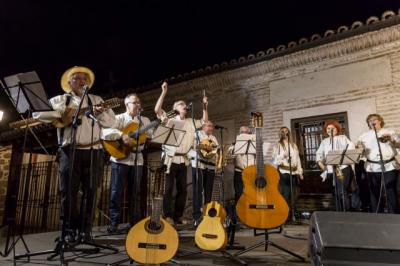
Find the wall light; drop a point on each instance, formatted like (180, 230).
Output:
(1, 115)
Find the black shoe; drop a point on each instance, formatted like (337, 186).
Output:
(112, 229)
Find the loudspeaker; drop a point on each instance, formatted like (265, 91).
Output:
(338, 238)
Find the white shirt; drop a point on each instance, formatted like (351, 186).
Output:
(186, 144)
(278, 155)
(84, 130)
(368, 140)
(339, 143)
(115, 133)
(193, 154)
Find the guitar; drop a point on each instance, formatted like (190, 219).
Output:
(58, 123)
(261, 205)
(153, 240)
(211, 234)
(120, 150)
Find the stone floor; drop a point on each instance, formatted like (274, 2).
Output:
(292, 238)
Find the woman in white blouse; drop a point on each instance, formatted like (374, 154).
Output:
(335, 141)
(280, 155)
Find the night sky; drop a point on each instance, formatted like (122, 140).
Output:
(139, 42)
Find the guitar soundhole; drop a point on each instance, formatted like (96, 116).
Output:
(212, 212)
(153, 227)
(260, 182)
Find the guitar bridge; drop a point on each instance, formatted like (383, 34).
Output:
(262, 207)
(152, 246)
(209, 236)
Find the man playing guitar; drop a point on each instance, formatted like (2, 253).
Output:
(123, 170)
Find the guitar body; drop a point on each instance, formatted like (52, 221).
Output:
(148, 246)
(117, 148)
(210, 234)
(262, 207)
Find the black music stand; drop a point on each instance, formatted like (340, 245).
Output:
(336, 158)
(27, 94)
(244, 145)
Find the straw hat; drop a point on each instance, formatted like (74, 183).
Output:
(76, 69)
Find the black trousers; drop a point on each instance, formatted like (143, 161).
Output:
(237, 184)
(178, 175)
(341, 197)
(80, 180)
(374, 180)
(284, 187)
(202, 182)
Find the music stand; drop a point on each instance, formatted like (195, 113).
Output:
(336, 158)
(244, 145)
(26, 93)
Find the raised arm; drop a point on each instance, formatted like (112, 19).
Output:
(205, 109)
(158, 108)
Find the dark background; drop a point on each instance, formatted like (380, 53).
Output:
(133, 43)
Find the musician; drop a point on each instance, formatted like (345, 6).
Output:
(388, 141)
(73, 82)
(127, 170)
(280, 155)
(179, 161)
(205, 168)
(335, 141)
(241, 162)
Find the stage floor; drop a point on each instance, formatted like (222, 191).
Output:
(274, 256)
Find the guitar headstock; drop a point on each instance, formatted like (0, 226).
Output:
(257, 119)
(112, 103)
(172, 113)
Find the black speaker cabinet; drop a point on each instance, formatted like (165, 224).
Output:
(337, 238)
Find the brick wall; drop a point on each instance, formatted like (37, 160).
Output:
(5, 157)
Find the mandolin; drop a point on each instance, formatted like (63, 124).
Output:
(261, 205)
(211, 234)
(119, 150)
(58, 123)
(153, 240)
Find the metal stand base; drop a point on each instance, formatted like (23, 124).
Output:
(266, 243)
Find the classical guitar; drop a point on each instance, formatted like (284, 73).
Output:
(59, 123)
(119, 150)
(153, 240)
(261, 205)
(211, 234)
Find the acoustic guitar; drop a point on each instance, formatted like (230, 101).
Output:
(261, 205)
(153, 240)
(120, 150)
(59, 123)
(210, 234)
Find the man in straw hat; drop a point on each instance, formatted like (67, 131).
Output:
(74, 81)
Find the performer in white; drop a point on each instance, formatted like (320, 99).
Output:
(336, 141)
(280, 155)
(388, 142)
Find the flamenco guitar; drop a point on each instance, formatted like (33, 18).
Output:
(119, 150)
(261, 205)
(153, 240)
(211, 234)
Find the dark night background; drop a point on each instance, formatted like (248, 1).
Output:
(139, 42)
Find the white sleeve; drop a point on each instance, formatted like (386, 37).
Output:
(106, 118)
(114, 132)
(320, 154)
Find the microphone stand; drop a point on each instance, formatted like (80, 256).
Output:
(334, 175)
(292, 211)
(138, 115)
(383, 170)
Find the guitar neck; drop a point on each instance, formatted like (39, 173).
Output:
(24, 123)
(216, 191)
(259, 153)
(157, 210)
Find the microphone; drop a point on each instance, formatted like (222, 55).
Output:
(89, 114)
(219, 127)
(189, 107)
(85, 87)
(373, 124)
(330, 132)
